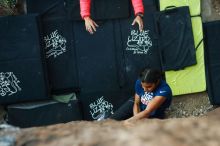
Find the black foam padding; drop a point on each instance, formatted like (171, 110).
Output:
(150, 5)
(43, 113)
(110, 9)
(139, 48)
(104, 64)
(73, 9)
(51, 8)
(98, 62)
(212, 60)
(176, 42)
(100, 9)
(102, 103)
(57, 37)
(60, 54)
(22, 74)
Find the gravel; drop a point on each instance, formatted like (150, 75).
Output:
(193, 105)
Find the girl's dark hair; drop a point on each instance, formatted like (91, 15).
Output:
(150, 75)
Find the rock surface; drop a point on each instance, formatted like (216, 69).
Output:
(194, 131)
(210, 10)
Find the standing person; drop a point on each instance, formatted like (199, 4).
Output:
(91, 25)
(152, 96)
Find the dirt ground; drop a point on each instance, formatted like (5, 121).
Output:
(190, 105)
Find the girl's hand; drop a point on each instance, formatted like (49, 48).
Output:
(90, 25)
(128, 123)
(139, 21)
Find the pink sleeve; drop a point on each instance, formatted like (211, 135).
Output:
(138, 6)
(85, 8)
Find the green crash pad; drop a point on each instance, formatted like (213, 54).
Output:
(64, 98)
(194, 5)
(191, 79)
